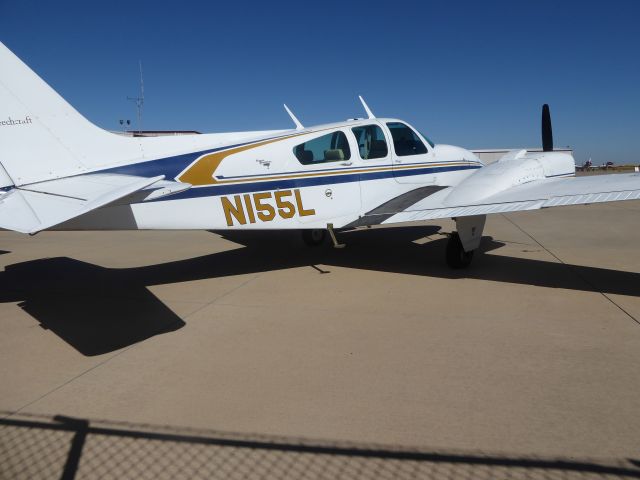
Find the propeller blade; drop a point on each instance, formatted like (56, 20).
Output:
(547, 133)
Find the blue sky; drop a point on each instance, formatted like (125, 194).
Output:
(467, 73)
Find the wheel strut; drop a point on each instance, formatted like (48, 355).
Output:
(333, 237)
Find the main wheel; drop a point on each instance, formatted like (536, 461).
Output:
(314, 237)
(456, 256)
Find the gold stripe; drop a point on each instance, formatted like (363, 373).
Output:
(201, 172)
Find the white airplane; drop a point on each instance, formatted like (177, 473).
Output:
(58, 171)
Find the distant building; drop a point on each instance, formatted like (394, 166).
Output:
(493, 154)
(487, 156)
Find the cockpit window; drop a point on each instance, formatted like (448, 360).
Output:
(332, 147)
(371, 142)
(405, 140)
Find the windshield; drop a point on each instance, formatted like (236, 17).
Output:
(427, 139)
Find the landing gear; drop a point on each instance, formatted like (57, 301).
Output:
(465, 241)
(315, 237)
(456, 256)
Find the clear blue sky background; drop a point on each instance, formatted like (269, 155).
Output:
(471, 73)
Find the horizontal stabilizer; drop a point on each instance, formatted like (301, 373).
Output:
(39, 206)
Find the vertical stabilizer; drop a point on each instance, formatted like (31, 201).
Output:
(43, 137)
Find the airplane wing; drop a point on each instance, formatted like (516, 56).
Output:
(427, 203)
(38, 206)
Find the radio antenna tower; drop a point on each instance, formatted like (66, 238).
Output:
(139, 100)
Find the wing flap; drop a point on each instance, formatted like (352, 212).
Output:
(574, 187)
(39, 206)
(592, 198)
(554, 192)
(464, 211)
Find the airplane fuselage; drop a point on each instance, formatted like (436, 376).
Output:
(288, 180)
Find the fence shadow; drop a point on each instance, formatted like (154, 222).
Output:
(67, 448)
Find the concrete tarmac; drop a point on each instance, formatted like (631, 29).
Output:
(532, 352)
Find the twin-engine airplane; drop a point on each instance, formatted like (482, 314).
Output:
(60, 172)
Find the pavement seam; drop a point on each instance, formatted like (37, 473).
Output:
(53, 390)
(213, 301)
(216, 299)
(573, 270)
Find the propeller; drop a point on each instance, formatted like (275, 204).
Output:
(547, 133)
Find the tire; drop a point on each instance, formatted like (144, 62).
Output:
(314, 238)
(456, 256)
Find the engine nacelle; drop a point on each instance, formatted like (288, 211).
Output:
(515, 168)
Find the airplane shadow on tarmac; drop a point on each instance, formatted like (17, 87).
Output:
(98, 310)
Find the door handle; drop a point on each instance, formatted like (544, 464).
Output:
(346, 164)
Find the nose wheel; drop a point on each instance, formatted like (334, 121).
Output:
(456, 256)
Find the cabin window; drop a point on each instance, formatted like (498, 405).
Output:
(405, 140)
(371, 142)
(332, 147)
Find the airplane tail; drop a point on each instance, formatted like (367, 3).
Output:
(42, 137)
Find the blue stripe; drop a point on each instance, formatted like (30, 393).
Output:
(285, 184)
(171, 167)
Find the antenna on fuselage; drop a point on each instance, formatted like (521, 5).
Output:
(299, 126)
(366, 107)
(139, 100)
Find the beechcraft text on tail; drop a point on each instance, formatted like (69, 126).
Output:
(59, 171)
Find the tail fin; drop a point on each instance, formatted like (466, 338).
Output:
(43, 137)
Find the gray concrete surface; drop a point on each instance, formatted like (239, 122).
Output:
(533, 351)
